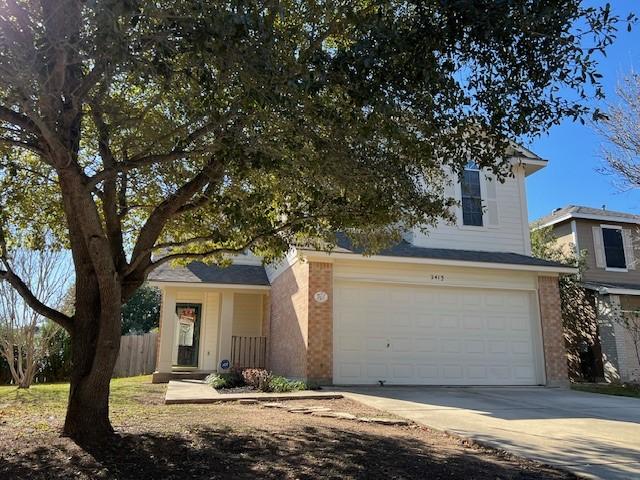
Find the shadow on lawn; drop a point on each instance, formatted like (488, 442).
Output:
(308, 452)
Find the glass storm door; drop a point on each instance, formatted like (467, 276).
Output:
(188, 334)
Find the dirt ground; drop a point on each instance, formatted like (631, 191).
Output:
(232, 441)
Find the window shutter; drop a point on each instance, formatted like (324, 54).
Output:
(627, 239)
(492, 200)
(450, 190)
(598, 247)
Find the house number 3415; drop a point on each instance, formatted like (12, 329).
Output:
(437, 277)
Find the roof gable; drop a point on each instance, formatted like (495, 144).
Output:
(570, 212)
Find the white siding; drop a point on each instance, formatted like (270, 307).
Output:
(247, 315)
(509, 235)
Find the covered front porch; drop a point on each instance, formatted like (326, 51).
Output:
(209, 327)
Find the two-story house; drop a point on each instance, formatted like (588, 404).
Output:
(465, 304)
(612, 273)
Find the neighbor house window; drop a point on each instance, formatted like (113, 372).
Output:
(471, 196)
(613, 247)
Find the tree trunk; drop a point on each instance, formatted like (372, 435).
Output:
(95, 343)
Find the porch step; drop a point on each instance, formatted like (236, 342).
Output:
(186, 375)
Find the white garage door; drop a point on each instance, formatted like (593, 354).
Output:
(433, 336)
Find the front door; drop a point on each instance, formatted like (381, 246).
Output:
(188, 334)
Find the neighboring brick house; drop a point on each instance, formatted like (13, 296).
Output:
(465, 304)
(610, 240)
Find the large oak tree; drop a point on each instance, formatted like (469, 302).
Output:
(144, 132)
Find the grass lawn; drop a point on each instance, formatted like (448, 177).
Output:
(622, 390)
(232, 441)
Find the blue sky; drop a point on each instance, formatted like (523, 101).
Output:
(573, 149)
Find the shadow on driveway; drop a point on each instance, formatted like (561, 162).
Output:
(591, 434)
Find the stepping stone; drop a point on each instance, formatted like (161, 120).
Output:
(247, 401)
(330, 414)
(273, 405)
(384, 421)
(315, 409)
(299, 410)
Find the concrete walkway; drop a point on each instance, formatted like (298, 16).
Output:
(592, 435)
(196, 391)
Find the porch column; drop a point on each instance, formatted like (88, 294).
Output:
(167, 337)
(226, 327)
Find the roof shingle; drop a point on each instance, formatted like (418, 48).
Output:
(406, 249)
(198, 272)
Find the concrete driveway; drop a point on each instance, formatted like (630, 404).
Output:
(593, 435)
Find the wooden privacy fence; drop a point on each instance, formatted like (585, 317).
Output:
(137, 355)
(248, 352)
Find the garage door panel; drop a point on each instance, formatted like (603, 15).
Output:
(474, 346)
(449, 321)
(465, 337)
(376, 344)
(424, 345)
(401, 345)
(377, 371)
(349, 343)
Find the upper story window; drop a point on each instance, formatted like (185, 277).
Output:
(471, 196)
(613, 247)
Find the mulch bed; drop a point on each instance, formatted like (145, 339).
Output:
(232, 441)
(237, 390)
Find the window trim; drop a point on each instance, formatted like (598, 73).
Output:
(471, 165)
(604, 249)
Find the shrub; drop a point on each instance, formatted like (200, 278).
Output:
(256, 377)
(282, 385)
(216, 380)
(225, 380)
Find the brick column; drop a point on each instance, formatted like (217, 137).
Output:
(320, 348)
(555, 353)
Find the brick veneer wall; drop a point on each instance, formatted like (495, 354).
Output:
(555, 354)
(301, 328)
(288, 329)
(320, 351)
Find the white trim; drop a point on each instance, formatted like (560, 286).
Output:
(574, 235)
(417, 283)
(612, 227)
(618, 291)
(587, 216)
(604, 248)
(602, 290)
(225, 286)
(531, 165)
(526, 233)
(324, 256)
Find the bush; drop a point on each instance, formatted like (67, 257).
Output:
(225, 380)
(216, 381)
(282, 385)
(256, 377)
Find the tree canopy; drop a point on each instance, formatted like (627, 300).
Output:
(205, 126)
(138, 133)
(141, 313)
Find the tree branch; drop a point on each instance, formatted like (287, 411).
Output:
(19, 120)
(154, 225)
(21, 144)
(220, 250)
(30, 299)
